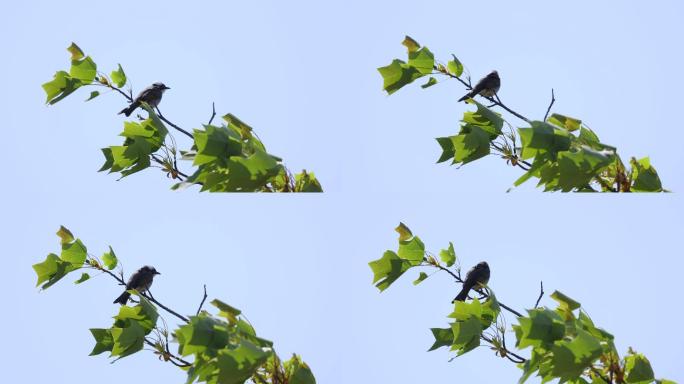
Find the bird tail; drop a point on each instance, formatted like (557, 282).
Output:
(123, 298)
(462, 295)
(128, 110)
(466, 97)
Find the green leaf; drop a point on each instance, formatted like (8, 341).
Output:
(76, 52)
(84, 277)
(448, 150)
(543, 138)
(237, 365)
(569, 123)
(444, 337)
(404, 232)
(48, 269)
(127, 340)
(422, 60)
(412, 250)
(109, 259)
(134, 155)
(118, 77)
(565, 301)
(588, 137)
(74, 253)
(485, 312)
(644, 176)
(307, 182)
(466, 335)
(93, 95)
(541, 328)
(572, 357)
(388, 269)
(638, 369)
(103, 340)
(61, 86)
(215, 144)
(241, 174)
(431, 81)
(588, 325)
(485, 118)
(203, 334)
(422, 276)
(65, 235)
(144, 314)
(448, 255)
(84, 70)
(397, 75)
(533, 171)
(227, 311)
(577, 168)
(410, 44)
(455, 67)
(298, 372)
(471, 144)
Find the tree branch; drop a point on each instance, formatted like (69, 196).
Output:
(495, 100)
(203, 298)
(179, 129)
(147, 296)
(553, 100)
(541, 293)
(459, 280)
(213, 113)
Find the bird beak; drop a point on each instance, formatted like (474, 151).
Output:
(157, 273)
(165, 87)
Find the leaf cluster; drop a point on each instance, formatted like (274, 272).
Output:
(562, 153)
(229, 157)
(224, 348)
(565, 344)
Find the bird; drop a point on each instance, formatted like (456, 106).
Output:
(477, 277)
(141, 281)
(152, 95)
(488, 86)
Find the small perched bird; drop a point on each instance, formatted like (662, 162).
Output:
(152, 95)
(488, 86)
(141, 281)
(477, 277)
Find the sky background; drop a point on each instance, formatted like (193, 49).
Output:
(303, 74)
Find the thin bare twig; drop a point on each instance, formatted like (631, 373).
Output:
(553, 100)
(541, 293)
(203, 298)
(213, 113)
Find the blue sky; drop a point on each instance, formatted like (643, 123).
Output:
(303, 74)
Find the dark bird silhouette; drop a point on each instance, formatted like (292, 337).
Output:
(488, 86)
(141, 281)
(477, 277)
(152, 95)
